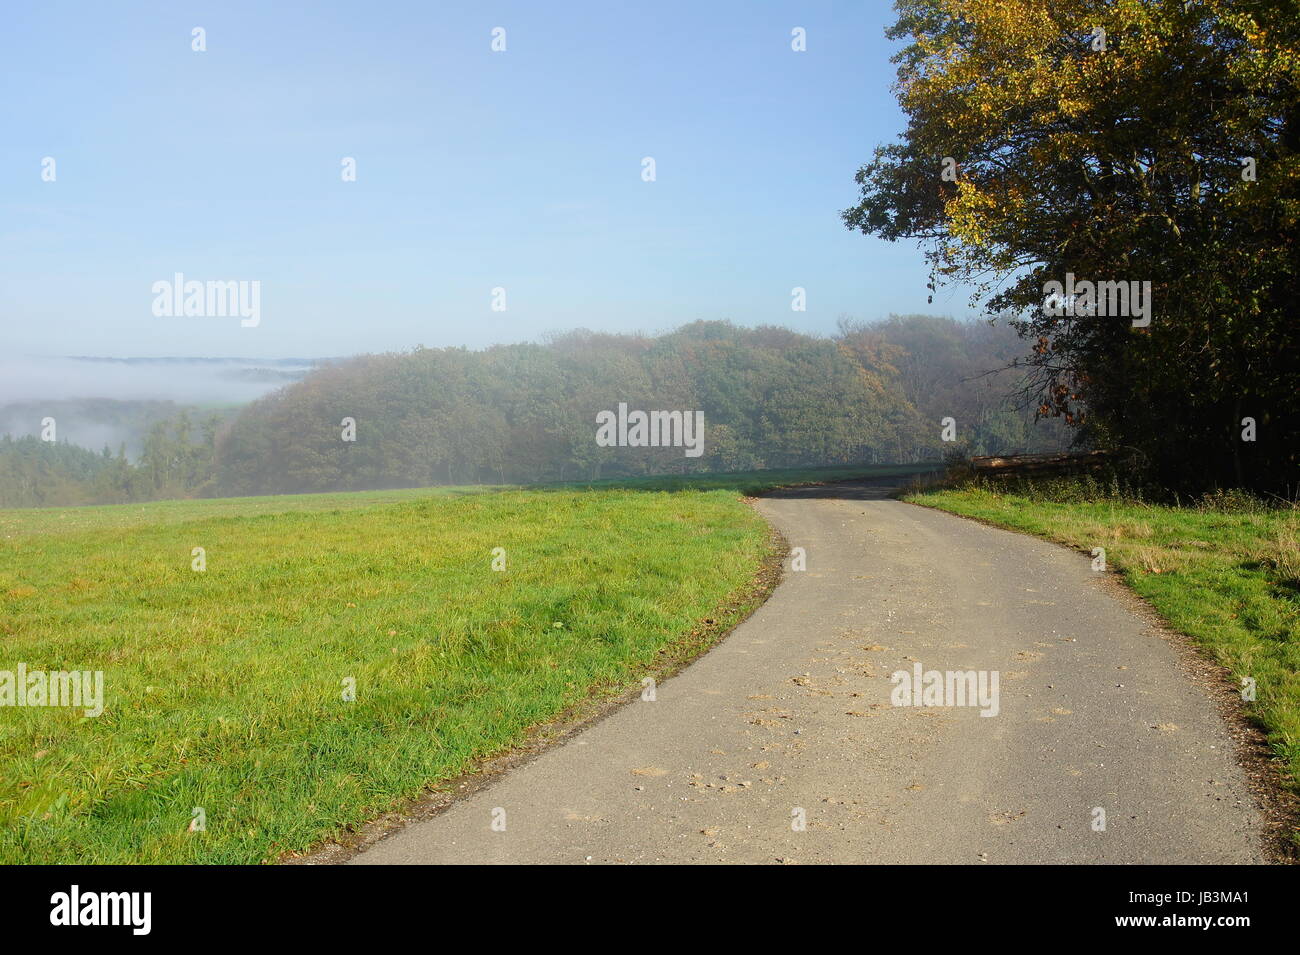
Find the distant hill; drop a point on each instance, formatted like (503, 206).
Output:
(874, 393)
(771, 398)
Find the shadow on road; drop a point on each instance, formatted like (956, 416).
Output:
(842, 491)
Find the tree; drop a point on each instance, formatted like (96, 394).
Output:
(1147, 141)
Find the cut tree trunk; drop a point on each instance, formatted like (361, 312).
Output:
(1060, 462)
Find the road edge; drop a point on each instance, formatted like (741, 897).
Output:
(602, 701)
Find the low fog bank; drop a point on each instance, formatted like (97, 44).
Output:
(183, 380)
(112, 402)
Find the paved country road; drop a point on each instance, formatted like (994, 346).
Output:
(792, 712)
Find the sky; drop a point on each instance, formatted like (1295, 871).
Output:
(476, 169)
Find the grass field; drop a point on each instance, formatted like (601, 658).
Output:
(225, 688)
(1226, 574)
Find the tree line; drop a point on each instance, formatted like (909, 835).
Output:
(527, 413)
(175, 461)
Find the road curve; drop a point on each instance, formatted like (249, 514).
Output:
(790, 719)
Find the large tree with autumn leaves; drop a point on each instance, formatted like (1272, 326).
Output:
(1117, 140)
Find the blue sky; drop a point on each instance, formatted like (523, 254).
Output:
(475, 169)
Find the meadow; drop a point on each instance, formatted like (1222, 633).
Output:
(339, 654)
(1225, 571)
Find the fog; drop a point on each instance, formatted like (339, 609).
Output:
(183, 380)
(112, 402)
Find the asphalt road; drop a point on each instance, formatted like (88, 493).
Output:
(790, 721)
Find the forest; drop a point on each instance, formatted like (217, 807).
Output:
(873, 392)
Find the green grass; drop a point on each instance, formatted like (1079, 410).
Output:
(20, 522)
(224, 688)
(1228, 577)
